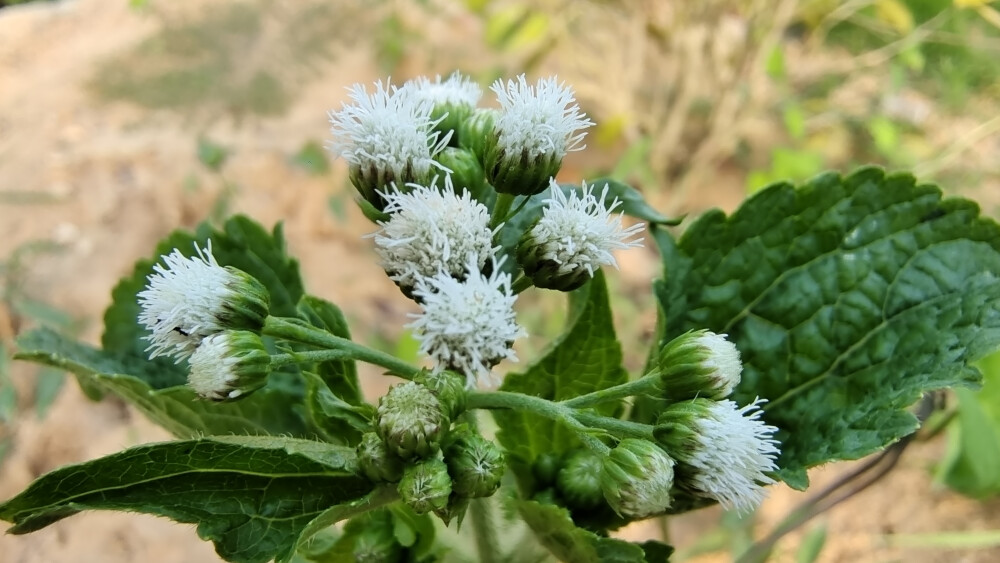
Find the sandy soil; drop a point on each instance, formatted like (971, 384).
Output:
(119, 177)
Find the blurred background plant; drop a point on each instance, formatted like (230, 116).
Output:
(698, 105)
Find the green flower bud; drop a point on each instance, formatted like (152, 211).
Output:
(229, 365)
(699, 364)
(372, 539)
(546, 467)
(467, 173)
(376, 461)
(546, 496)
(448, 387)
(426, 486)
(476, 131)
(518, 173)
(410, 420)
(475, 464)
(544, 272)
(637, 477)
(579, 479)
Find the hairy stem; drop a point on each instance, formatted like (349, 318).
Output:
(617, 426)
(296, 331)
(500, 209)
(309, 356)
(493, 400)
(485, 530)
(642, 386)
(520, 284)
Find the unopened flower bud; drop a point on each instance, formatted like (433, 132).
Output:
(573, 238)
(724, 452)
(188, 299)
(426, 486)
(448, 387)
(467, 173)
(637, 477)
(229, 365)
(477, 131)
(699, 364)
(376, 461)
(475, 464)
(579, 479)
(546, 467)
(410, 420)
(373, 538)
(537, 125)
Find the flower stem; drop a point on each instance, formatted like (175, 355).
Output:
(485, 531)
(617, 426)
(542, 407)
(644, 385)
(296, 331)
(500, 209)
(309, 356)
(520, 284)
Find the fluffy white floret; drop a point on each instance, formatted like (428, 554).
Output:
(468, 325)
(390, 129)
(580, 232)
(455, 90)
(723, 360)
(183, 301)
(432, 230)
(543, 119)
(213, 368)
(735, 450)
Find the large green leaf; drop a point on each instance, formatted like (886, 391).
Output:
(177, 409)
(847, 297)
(243, 244)
(251, 496)
(555, 530)
(585, 358)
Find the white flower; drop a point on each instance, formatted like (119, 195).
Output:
(457, 90)
(229, 365)
(188, 299)
(468, 325)
(387, 135)
(734, 450)
(723, 360)
(432, 230)
(578, 232)
(541, 120)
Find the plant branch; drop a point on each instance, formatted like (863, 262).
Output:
(495, 400)
(485, 531)
(296, 331)
(641, 386)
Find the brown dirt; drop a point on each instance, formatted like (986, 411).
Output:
(120, 178)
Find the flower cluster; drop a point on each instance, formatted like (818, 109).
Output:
(197, 310)
(438, 169)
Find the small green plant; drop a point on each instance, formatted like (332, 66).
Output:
(795, 332)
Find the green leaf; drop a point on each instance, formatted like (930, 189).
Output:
(975, 469)
(312, 158)
(250, 496)
(243, 244)
(338, 421)
(177, 409)
(585, 358)
(554, 529)
(48, 383)
(211, 155)
(847, 298)
(632, 201)
(340, 376)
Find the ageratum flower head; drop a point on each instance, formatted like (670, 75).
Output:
(467, 325)
(724, 451)
(387, 137)
(452, 100)
(575, 236)
(229, 365)
(431, 230)
(636, 478)
(188, 299)
(699, 364)
(537, 125)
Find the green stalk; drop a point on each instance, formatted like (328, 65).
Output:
(500, 209)
(645, 385)
(520, 284)
(485, 530)
(617, 426)
(309, 357)
(493, 400)
(290, 329)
